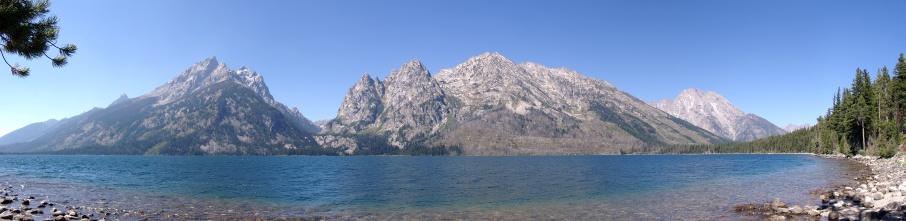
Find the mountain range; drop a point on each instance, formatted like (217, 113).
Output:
(487, 105)
(713, 112)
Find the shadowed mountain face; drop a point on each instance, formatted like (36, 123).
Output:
(209, 109)
(492, 106)
(716, 114)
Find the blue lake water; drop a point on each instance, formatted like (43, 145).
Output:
(382, 187)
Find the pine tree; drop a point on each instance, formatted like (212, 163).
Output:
(27, 30)
(882, 93)
(899, 91)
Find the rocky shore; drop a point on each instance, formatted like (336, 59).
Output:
(878, 195)
(18, 207)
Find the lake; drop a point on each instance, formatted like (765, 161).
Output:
(634, 187)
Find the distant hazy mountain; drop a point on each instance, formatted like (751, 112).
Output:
(492, 106)
(794, 127)
(28, 133)
(208, 109)
(716, 114)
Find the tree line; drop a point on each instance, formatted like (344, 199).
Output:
(868, 117)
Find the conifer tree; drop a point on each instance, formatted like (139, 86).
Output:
(899, 91)
(882, 94)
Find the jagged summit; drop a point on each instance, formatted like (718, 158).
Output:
(413, 69)
(487, 59)
(713, 112)
(491, 56)
(365, 77)
(122, 99)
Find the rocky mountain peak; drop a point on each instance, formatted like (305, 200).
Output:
(361, 105)
(207, 109)
(122, 99)
(211, 72)
(710, 102)
(207, 64)
(251, 79)
(489, 57)
(413, 70)
(713, 112)
(490, 62)
(208, 72)
(365, 79)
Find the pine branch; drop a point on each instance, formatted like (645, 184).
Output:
(17, 71)
(4, 59)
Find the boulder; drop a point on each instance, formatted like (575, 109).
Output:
(777, 203)
(850, 212)
(781, 210)
(838, 204)
(892, 206)
(877, 195)
(868, 215)
(23, 217)
(812, 212)
(796, 210)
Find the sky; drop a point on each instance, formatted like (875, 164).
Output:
(779, 59)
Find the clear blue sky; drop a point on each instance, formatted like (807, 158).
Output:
(779, 59)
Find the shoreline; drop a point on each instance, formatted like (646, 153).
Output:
(398, 155)
(91, 210)
(879, 193)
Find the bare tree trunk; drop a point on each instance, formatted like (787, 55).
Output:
(863, 135)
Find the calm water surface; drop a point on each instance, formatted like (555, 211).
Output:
(655, 187)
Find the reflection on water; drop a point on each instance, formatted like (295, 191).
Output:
(573, 187)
